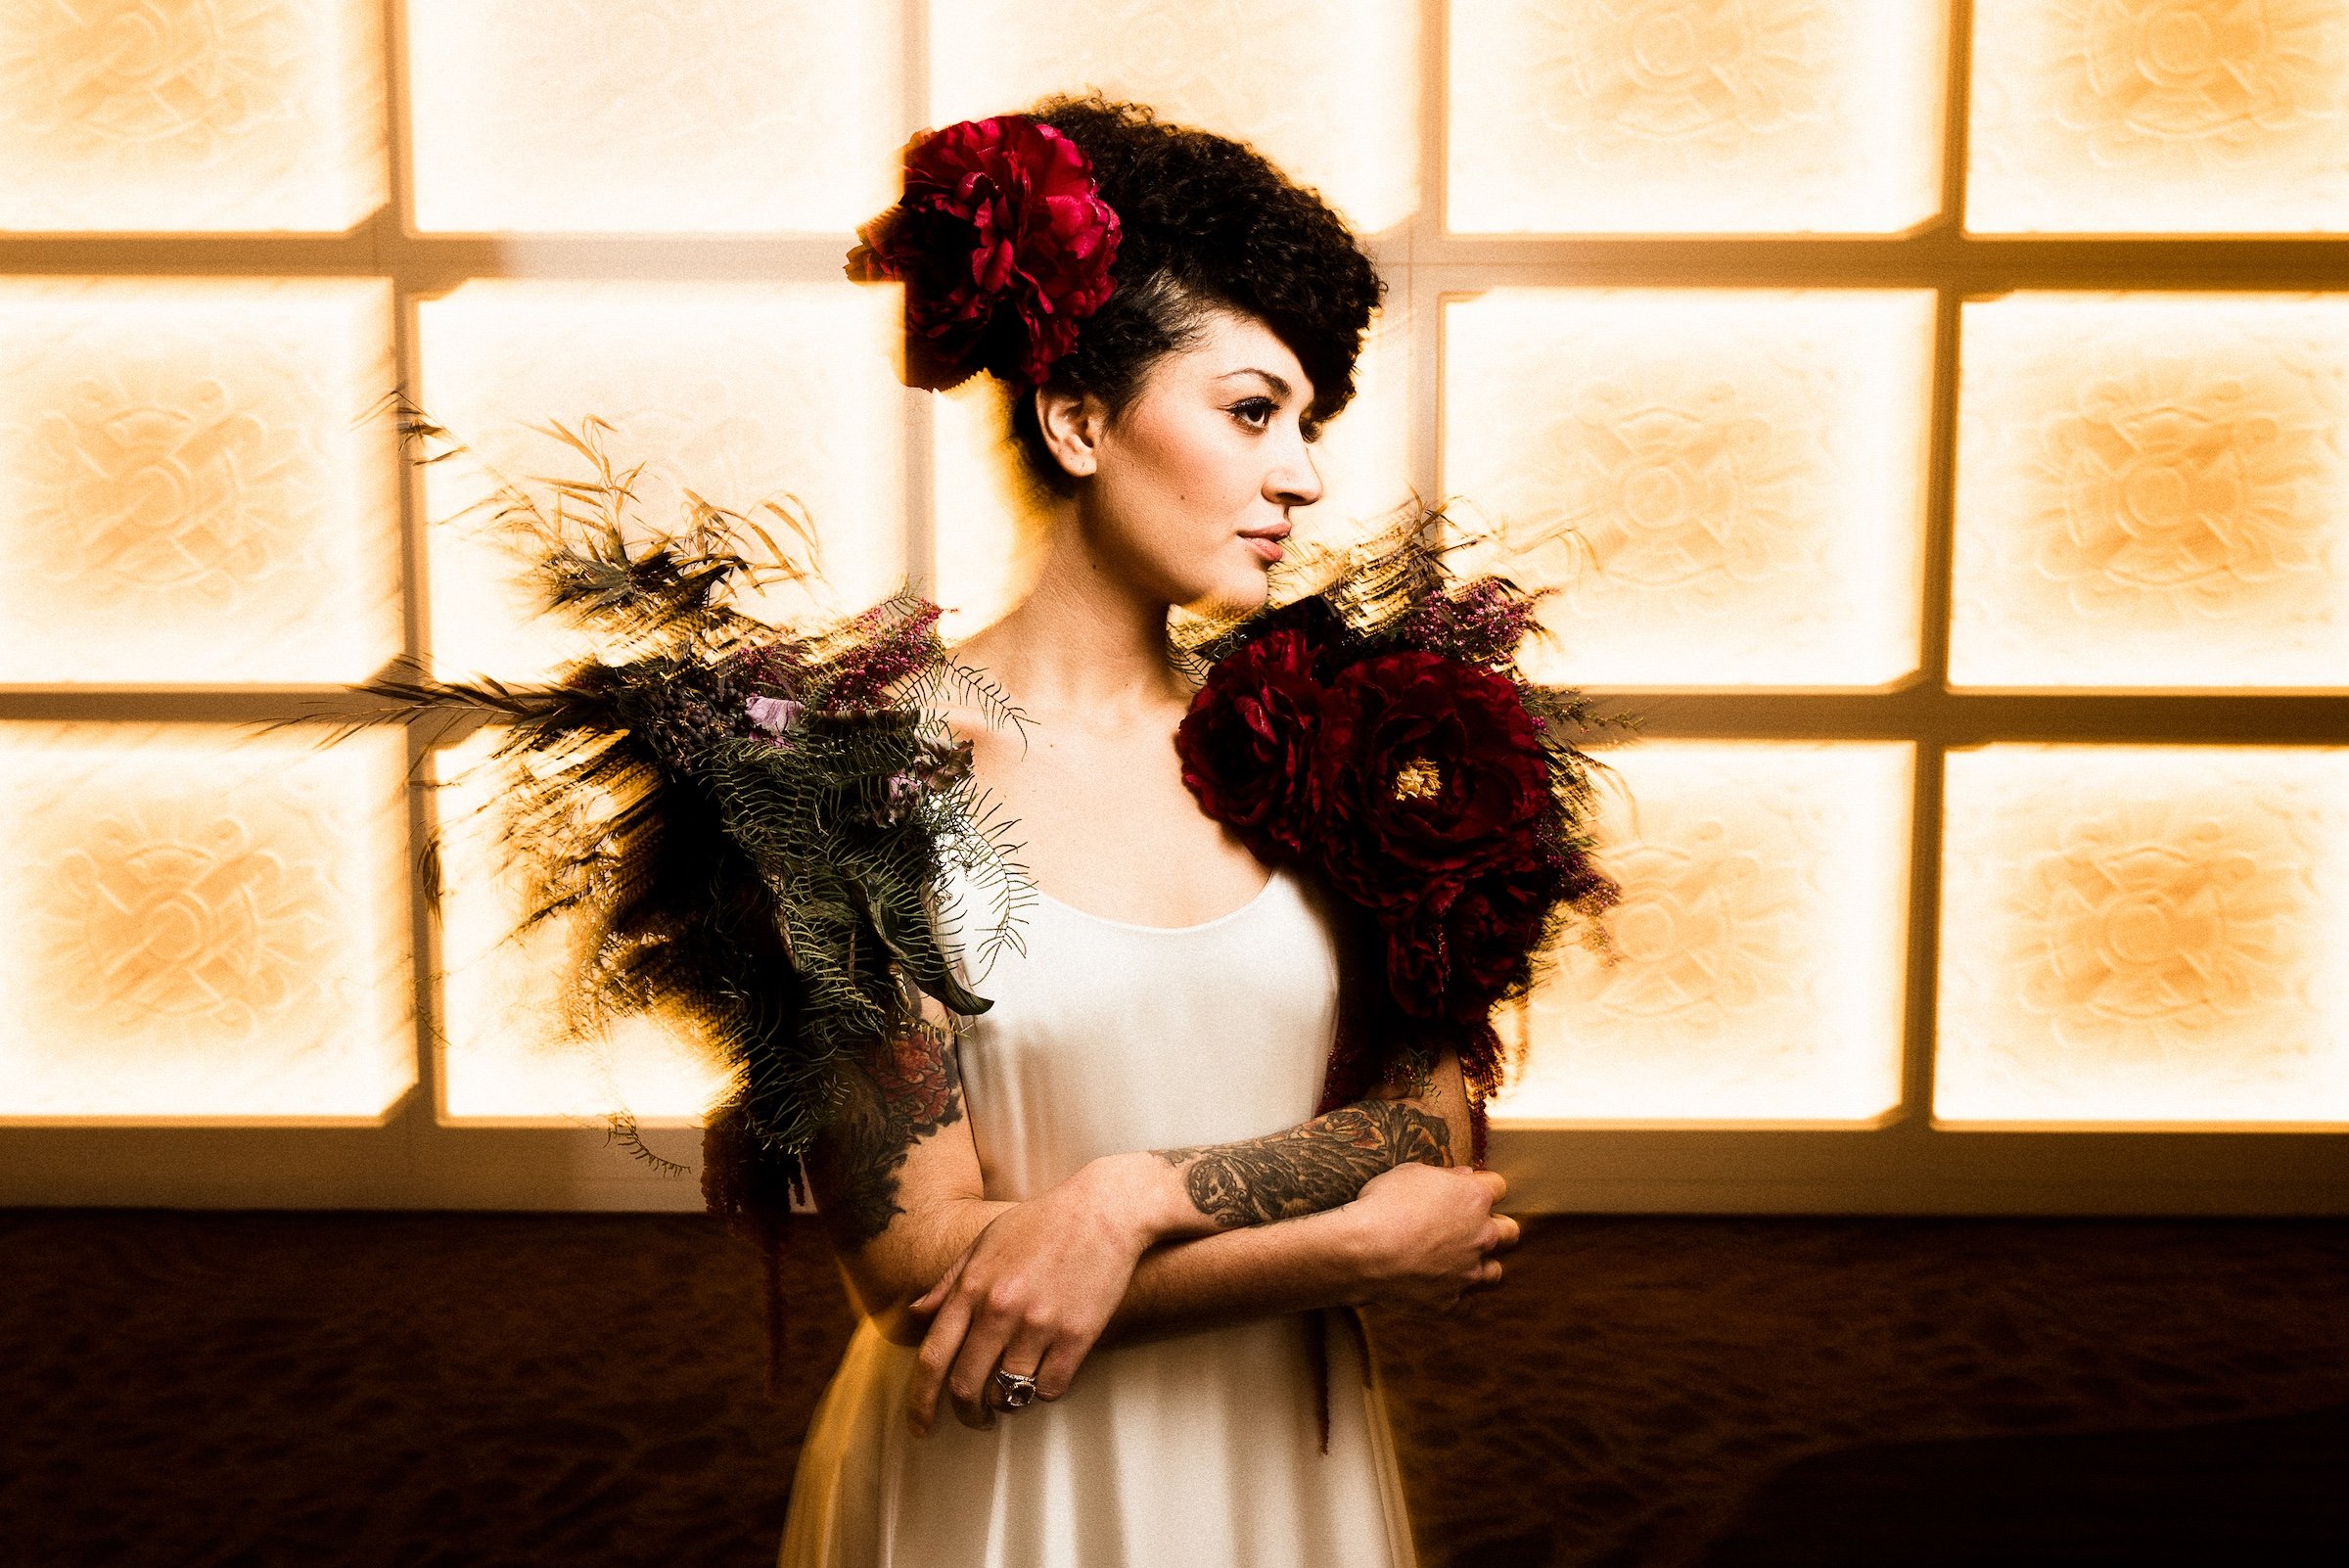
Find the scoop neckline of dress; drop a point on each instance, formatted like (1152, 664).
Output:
(1261, 893)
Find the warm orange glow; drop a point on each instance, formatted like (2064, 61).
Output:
(2207, 117)
(1329, 89)
(1707, 117)
(205, 925)
(506, 1057)
(180, 116)
(2153, 491)
(741, 392)
(2144, 936)
(1760, 941)
(1742, 473)
(992, 531)
(693, 116)
(187, 492)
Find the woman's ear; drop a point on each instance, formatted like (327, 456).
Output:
(1072, 425)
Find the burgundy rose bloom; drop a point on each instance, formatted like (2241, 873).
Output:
(1428, 771)
(1003, 244)
(1313, 619)
(1247, 743)
(1452, 956)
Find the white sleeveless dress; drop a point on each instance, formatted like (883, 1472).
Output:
(1199, 1450)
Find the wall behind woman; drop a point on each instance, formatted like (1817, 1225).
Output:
(1941, 406)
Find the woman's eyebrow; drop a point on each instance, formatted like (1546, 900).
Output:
(1280, 388)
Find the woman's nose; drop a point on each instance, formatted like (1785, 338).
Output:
(1296, 482)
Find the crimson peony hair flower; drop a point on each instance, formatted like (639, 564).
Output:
(1003, 244)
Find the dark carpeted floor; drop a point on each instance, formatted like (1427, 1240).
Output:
(426, 1389)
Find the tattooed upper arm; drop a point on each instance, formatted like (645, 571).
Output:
(898, 1138)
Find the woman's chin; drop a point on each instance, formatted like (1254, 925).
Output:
(1232, 596)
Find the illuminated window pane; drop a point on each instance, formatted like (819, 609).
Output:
(189, 491)
(990, 527)
(506, 1058)
(250, 115)
(1694, 116)
(1727, 485)
(743, 394)
(2153, 491)
(2159, 117)
(204, 924)
(1327, 89)
(1759, 944)
(660, 115)
(2144, 935)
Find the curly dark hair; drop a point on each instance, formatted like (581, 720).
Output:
(1207, 223)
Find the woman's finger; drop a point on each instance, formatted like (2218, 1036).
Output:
(927, 1301)
(1030, 1347)
(982, 1348)
(1058, 1370)
(935, 1359)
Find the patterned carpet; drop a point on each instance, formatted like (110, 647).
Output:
(453, 1388)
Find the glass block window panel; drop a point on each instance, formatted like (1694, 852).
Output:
(190, 492)
(1757, 974)
(505, 1057)
(991, 526)
(742, 394)
(1727, 485)
(1712, 117)
(240, 116)
(204, 924)
(658, 117)
(1327, 89)
(2153, 491)
(2144, 936)
(2154, 117)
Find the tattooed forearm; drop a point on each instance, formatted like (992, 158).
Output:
(896, 1096)
(1307, 1168)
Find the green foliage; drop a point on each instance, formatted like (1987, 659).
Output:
(745, 826)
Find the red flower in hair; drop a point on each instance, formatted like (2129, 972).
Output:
(1003, 244)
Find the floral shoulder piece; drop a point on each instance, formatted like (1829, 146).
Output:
(747, 826)
(1376, 732)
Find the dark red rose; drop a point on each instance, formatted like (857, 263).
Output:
(1003, 244)
(1313, 619)
(1247, 744)
(1427, 771)
(1451, 956)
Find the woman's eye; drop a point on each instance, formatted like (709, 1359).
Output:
(1256, 412)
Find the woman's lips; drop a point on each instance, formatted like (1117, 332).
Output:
(1269, 549)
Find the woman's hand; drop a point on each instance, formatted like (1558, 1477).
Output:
(1430, 1233)
(1031, 1292)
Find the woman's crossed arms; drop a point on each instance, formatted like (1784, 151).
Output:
(1362, 1202)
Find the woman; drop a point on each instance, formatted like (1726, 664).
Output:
(1100, 1230)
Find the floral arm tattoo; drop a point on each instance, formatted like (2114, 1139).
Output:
(897, 1095)
(1316, 1166)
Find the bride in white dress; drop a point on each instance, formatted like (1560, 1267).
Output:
(1093, 1242)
